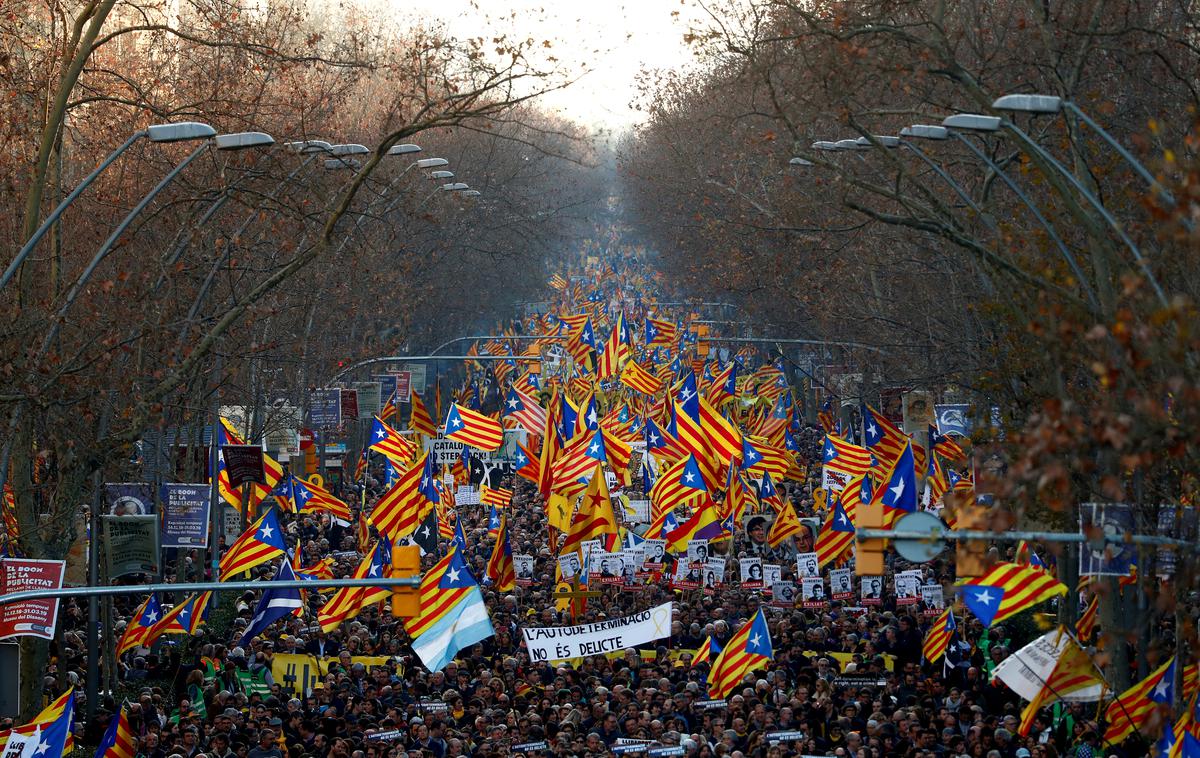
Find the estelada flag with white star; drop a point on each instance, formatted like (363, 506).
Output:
(142, 626)
(1006, 590)
(474, 429)
(386, 440)
(749, 649)
(258, 544)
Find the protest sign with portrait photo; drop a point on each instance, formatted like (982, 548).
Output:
(933, 598)
(569, 565)
(812, 592)
(841, 584)
(871, 590)
(908, 587)
(807, 564)
(523, 566)
(783, 594)
(751, 573)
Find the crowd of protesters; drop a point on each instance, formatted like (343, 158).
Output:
(846, 680)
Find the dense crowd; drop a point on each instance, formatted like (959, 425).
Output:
(849, 679)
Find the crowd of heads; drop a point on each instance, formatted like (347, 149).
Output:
(849, 679)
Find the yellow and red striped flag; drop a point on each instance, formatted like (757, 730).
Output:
(939, 636)
(474, 429)
(1074, 671)
(1135, 708)
(1006, 590)
(118, 737)
(257, 545)
(595, 517)
(1085, 627)
(749, 649)
(419, 420)
(497, 496)
(640, 380)
(403, 507)
(386, 440)
(500, 567)
(435, 600)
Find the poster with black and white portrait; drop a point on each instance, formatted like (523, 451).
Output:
(714, 573)
(697, 551)
(631, 558)
(841, 584)
(568, 565)
(871, 590)
(686, 576)
(772, 575)
(812, 592)
(523, 566)
(908, 587)
(751, 573)
(783, 594)
(807, 565)
(607, 568)
(656, 553)
(587, 549)
(933, 598)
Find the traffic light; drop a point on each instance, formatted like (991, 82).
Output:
(406, 561)
(868, 559)
(970, 556)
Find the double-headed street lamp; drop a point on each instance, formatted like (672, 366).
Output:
(161, 133)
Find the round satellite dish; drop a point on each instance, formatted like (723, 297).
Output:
(919, 550)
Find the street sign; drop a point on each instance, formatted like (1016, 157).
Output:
(370, 398)
(325, 407)
(418, 380)
(32, 618)
(349, 405)
(403, 386)
(923, 550)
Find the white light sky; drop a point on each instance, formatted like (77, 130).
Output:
(614, 39)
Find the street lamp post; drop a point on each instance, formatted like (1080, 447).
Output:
(163, 133)
(981, 123)
(1067, 255)
(1051, 104)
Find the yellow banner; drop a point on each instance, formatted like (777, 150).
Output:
(298, 673)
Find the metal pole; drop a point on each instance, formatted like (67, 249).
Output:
(958, 190)
(92, 675)
(423, 358)
(1067, 255)
(773, 340)
(1160, 190)
(1015, 536)
(215, 520)
(31, 243)
(215, 587)
(1095, 203)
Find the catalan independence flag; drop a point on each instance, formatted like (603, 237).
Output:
(118, 737)
(142, 628)
(747, 650)
(386, 440)
(419, 420)
(258, 544)
(708, 651)
(500, 566)
(186, 617)
(1136, 707)
(474, 429)
(939, 636)
(836, 537)
(1006, 590)
(442, 588)
(406, 504)
(1072, 672)
(308, 497)
(640, 380)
